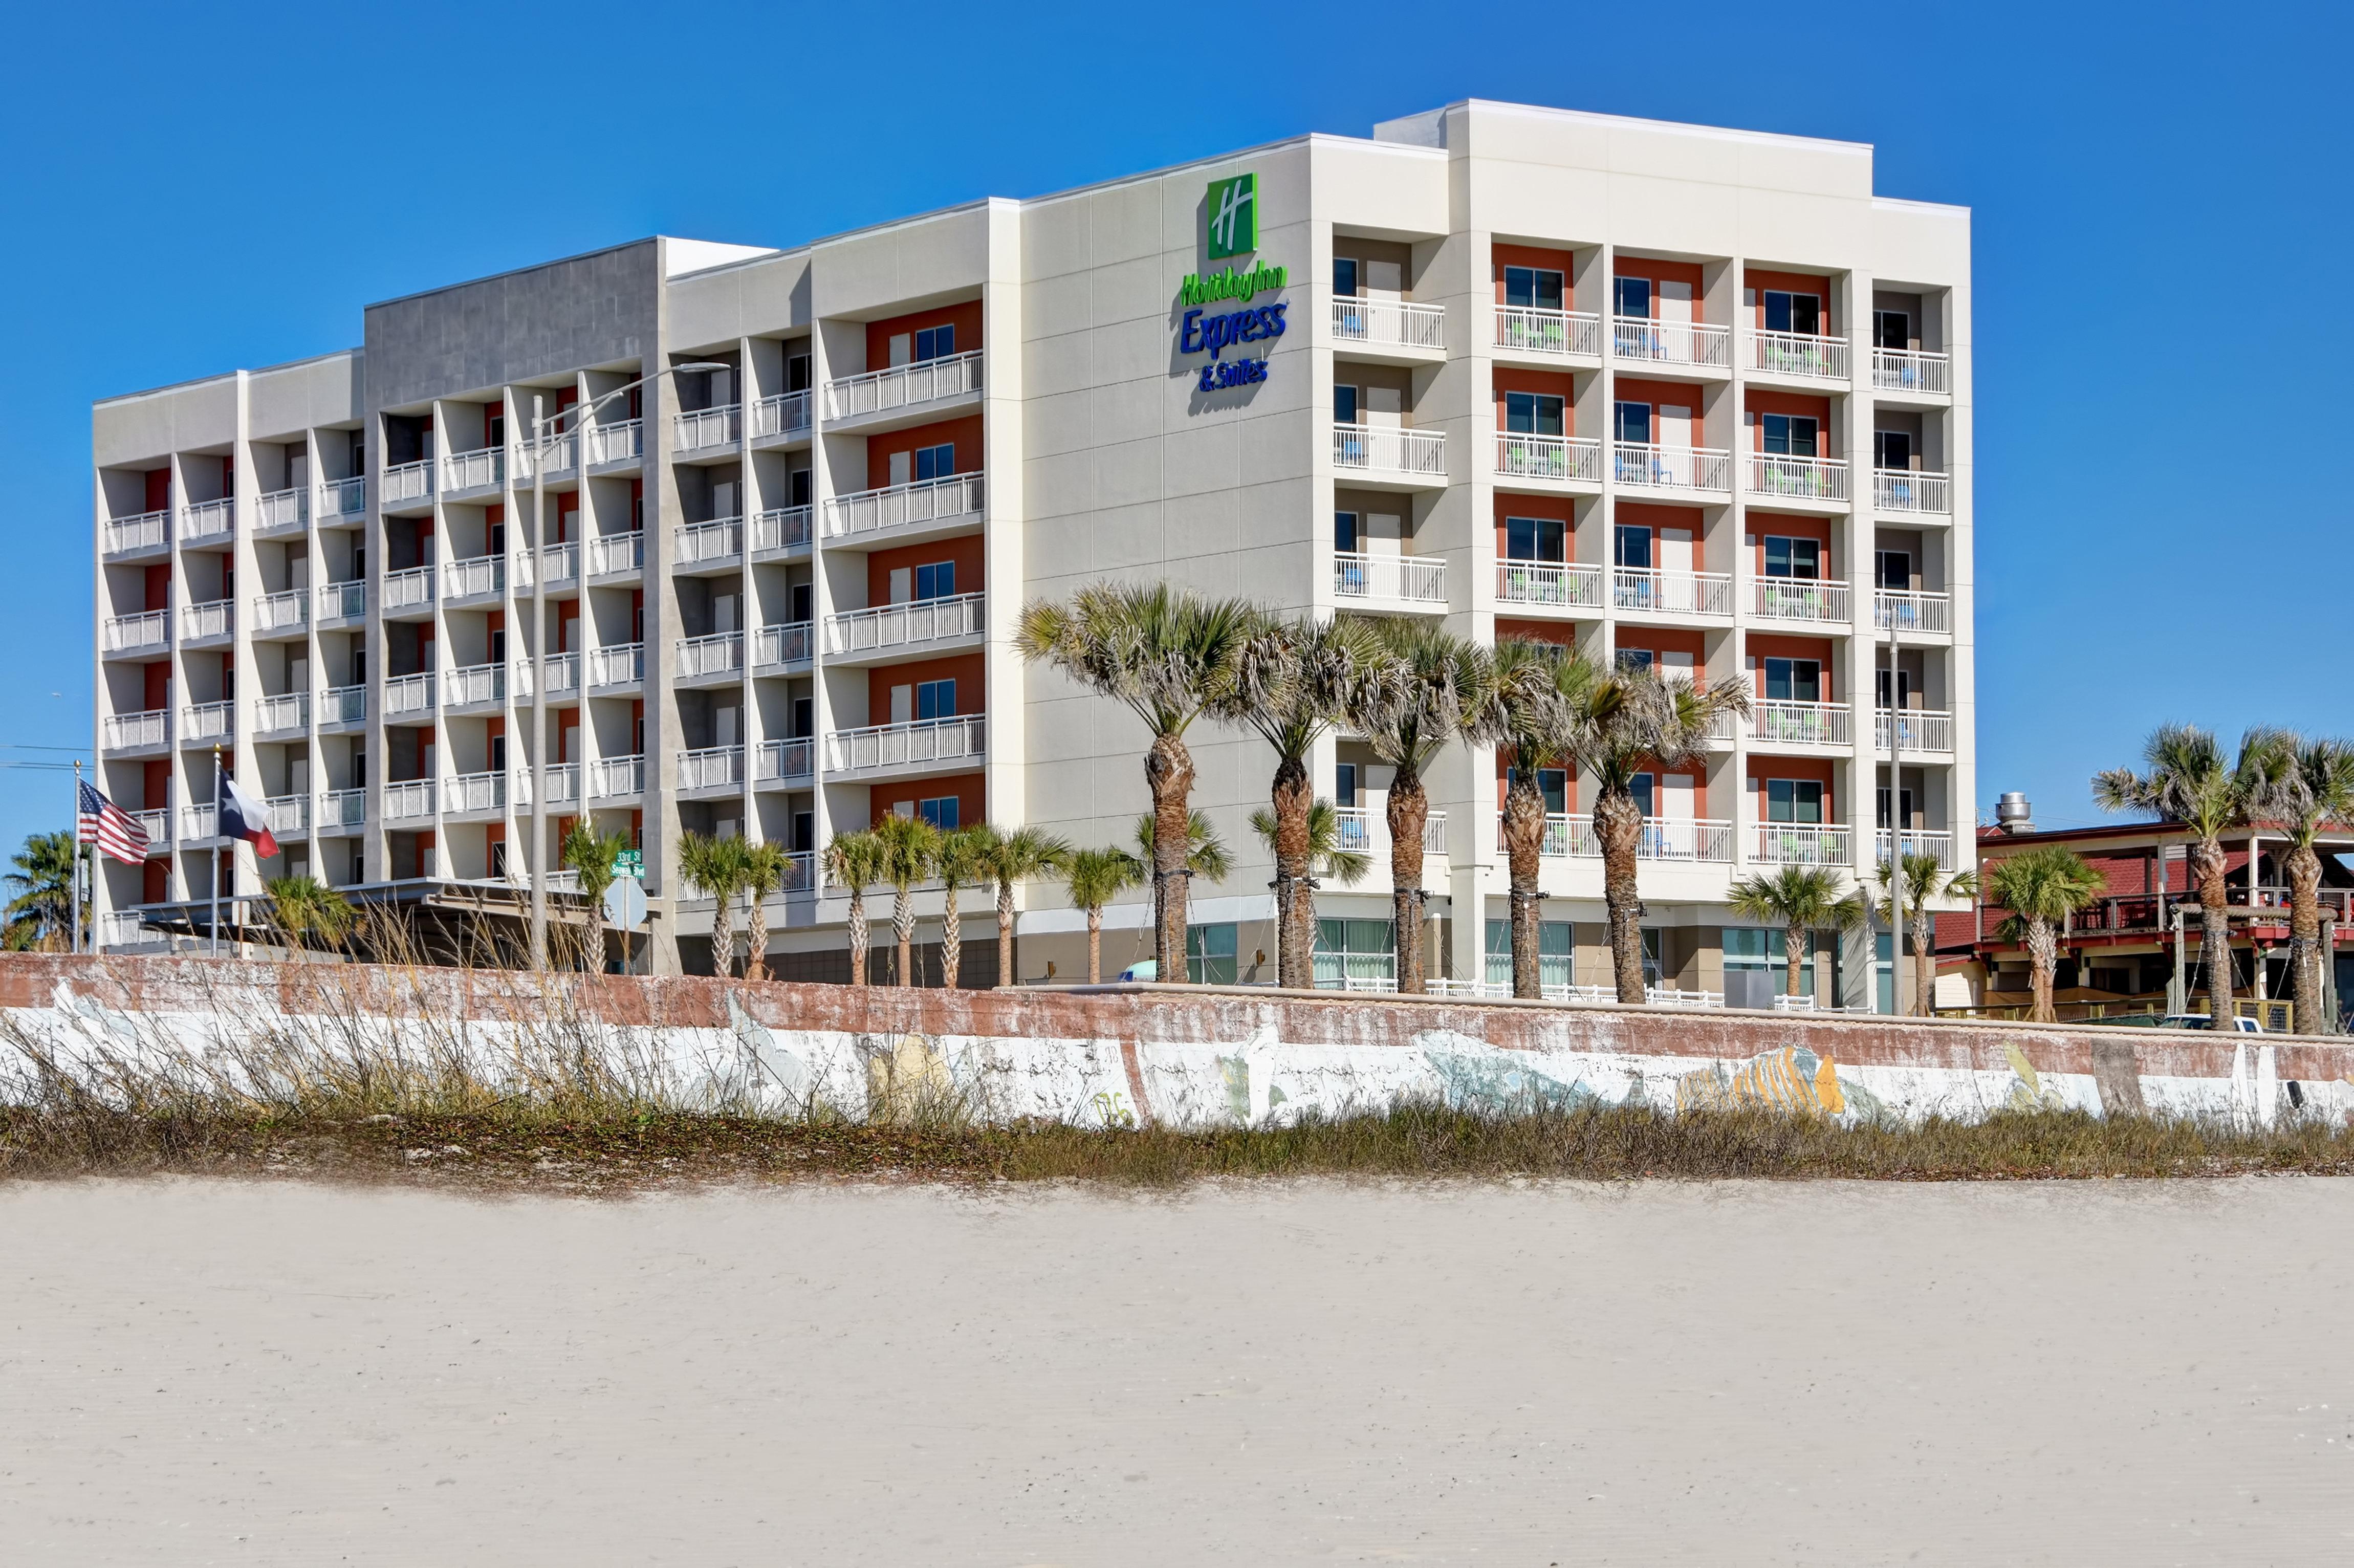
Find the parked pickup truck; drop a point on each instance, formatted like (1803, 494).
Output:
(2181, 1020)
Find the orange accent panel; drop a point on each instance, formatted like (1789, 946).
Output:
(1674, 394)
(970, 788)
(965, 318)
(1759, 278)
(1659, 639)
(967, 670)
(964, 433)
(1662, 272)
(1561, 261)
(965, 552)
(1561, 635)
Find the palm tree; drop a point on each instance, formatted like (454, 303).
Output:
(909, 849)
(594, 856)
(1800, 899)
(765, 866)
(958, 863)
(854, 862)
(41, 912)
(1206, 855)
(301, 906)
(1094, 878)
(2316, 788)
(1924, 879)
(716, 866)
(1293, 681)
(2042, 888)
(1006, 859)
(1170, 656)
(1540, 696)
(1436, 690)
(2188, 780)
(1326, 857)
(1635, 721)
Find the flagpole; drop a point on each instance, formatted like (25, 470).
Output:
(73, 940)
(217, 838)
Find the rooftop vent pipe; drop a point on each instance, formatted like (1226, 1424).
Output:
(2011, 813)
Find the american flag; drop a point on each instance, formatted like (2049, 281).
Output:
(99, 821)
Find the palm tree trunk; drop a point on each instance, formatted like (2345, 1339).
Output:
(1293, 795)
(1005, 933)
(1169, 771)
(723, 934)
(2305, 951)
(1095, 944)
(858, 936)
(756, 960)
(952, 939)
(1525, 831)
(1924, 963)
(595, 942)
(1794, 957)
(2215, 925)
(1409, 810)
(903, 931)
(2043, 958)
(1618, 823)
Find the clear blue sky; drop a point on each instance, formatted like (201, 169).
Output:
(2162, 199)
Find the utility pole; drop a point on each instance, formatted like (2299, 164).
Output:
(1897, 921)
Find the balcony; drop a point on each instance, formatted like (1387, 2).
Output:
(206, 721)
(123, 928)
(196, 824)
(477, 577)
(951, 502)
(923, 623)
(1411, 579)
(278, 714)
(1644, 465)
(1691, 343)
(780, 646)
(623, 664)
(342, 498)
(475, 794)
(925, 745)
(343, 704)
(410, 589)
(704, 658)
(157, 823)
(1652, 591)
(282, 510)
(1521, 329)
(1775, 477)
(623, 440)
(1802, 599)
(288, 813)
(558, 564)
(559, 454)
(1893, 610)
(484, 468)
(1802, 356)
(1896, 490)
(285, 611)
(137, 535)
(1692, 839)
(706, 430)
(617, 778)
(207, 522)
(781, 528)
(476, 685)
(1388, 324)
(1917, 729)
(1921, 841)
(1803, 843)
(562, 673)
(1362, 832)
(787, 414)
(138, 634)
(1774, 722)
(701, 544)
(408, 482)
(1567, 458)
(613, 553)
(210, 622)
(343, 601)
(1415, 456)
(1911, 371)
(342, 811)
(562, 783)
(801, 873)
(902, 386)
(409, 799)
(132, 732)
(711, 768)
(1549, 584)
(409, 694)
(785, 761)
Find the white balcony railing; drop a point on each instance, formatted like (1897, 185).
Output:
(788, 642)
(1909, 370)
(196, 823)
(343, 601)
(561, 455)
(617, 666)
(1803, 843)
(209, 520)
(409, 694)
(700, 427)
(288, 710)
(785, 414)
(906, 625)
(476, 576)
(623, 440)
(124, 731)
(1363, 830)
(1649, 466)
(476, 470)
(343, 704)
(720, 539)
(409, 481)
(781, 528)
(206, 721)
(277, 612)
(1802, 599)
(1897, 611)
(409, 799)
(1917, 729)
(615, 776)
(924, 743)
(1527, 329)
(1419, 580)
(474, 684)
(1799, 723)
(562, 673)
(475, 792)
(130, 633)
(1577, 457)
(1671, 593)
(1917, 841)
(288, 813)
(342, 497)
(1387, 448)
(720, 653)
(407, 590)
(801, 873)
(782, 761)
(559, 563)
(213, 617)
(1671, 343)
(562, 782)
(283, 509)
(1554, 585)
(148, 531)
(711, 768)
(342, 809)
(157, 823)
(1784, 478)
(895, 505)
(902, 386)
(1798, 353)
(610, 553)
(1902, 490)
(1661, 837)
(1397, 324)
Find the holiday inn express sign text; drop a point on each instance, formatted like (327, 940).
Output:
(1232, 213)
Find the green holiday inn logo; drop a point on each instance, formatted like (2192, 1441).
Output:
(1234, 215)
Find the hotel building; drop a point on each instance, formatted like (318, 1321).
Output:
(1691, 397)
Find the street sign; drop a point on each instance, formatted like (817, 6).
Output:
(625, 904)
(630, 863)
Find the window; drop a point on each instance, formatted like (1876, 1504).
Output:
(1793, 680)
(1897, 684)
(802, 602)
(1891, 329)
(798, 488)
(1893, 569)
(1210, 954)
(1640, 787)
(1794, 800)
(940, 811)
(1891, 450)
(1790, 435)
(1636, 659)
(935, 463)
(1793, 557)
(1632, 421)
(936, 343)
(1633, 546)
(498, 753)
(797, 373)
(1557, 952)
(1354, 949)
(1344, 277)
(1531, 287)
(1906, 801)
(1345, 404)
(1344, 785)
(1532, 414)
(804, 717)
(494, 429)
(1655, 969)
(936, 700)
(498, 860)
(1801, 313)
(1631, 297)
(498, 644)
(1753, 947)
(1552, 783)
(804, 831)
(1346, 537)
(936, 580)
(1536, 539)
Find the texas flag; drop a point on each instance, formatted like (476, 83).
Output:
(242, 817)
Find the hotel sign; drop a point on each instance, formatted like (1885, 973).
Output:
(1232, 213)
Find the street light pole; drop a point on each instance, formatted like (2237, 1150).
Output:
(1897, 921)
